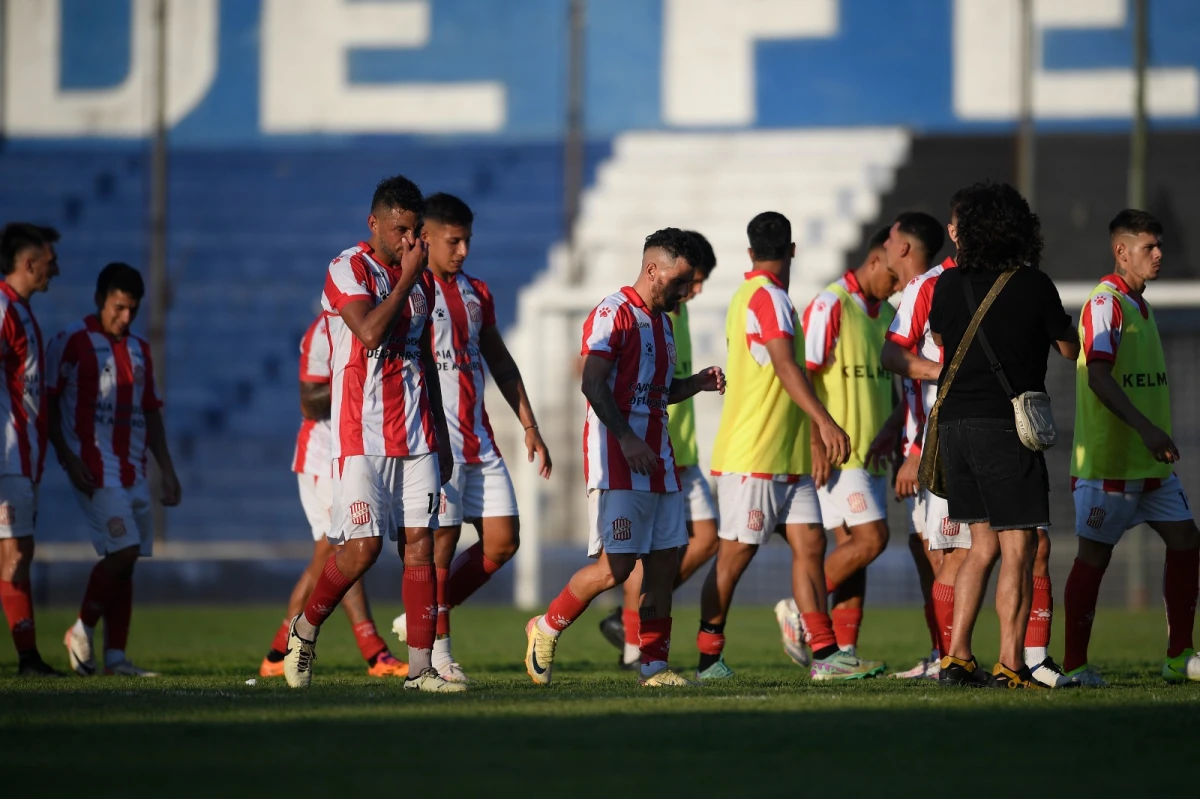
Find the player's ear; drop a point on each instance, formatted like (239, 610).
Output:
(792, 250)
(373, 222)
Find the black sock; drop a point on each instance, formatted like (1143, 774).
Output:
(275, 656)
(711, 629)
(28, 656)
(824, 652)
(371, 660)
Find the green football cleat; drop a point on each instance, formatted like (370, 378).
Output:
(717, 671)
(1182, 668)
(845, 666)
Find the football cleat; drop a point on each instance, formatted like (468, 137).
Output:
(665, 678)
(298, 660)
(612, 627)
(1004, 677)
(792, 633)
(539, 652)
(79, 652)
(269, 669)
(1183, 667)
(125, 668)
(926, 669)
(34, 666)
(717, 671)
(387, 665)
(400, 627)
(453, 672)
(962, 673)
(430, 682)
(1086, 677)
(1049, 674)
(845, 666)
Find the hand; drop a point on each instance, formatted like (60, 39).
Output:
(412, 259)
(882, 452)
(534, 445)
(445, 462)
(1160, 444)
(837, 443)
(906, 479)
(641, 459)
(821, 467)
(79, 474)
(711, 379)
(172, 491)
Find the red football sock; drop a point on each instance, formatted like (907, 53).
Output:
(118, 612)
(443, 621)
(1079, 603)
(931, 621)
(1181, 580)
(943, 609)
(654, 639)
(818, 630)
(710, 643)
(632, 620)
(468, 572)
(1041, 613)
(846, 622)
(419, 592)
(331, 586)
(279, 644)
(17, 599)
(564, 609)
(95, 595)
(367, 638)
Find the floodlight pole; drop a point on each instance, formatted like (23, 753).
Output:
(159, 290)
(1137, 139)
(1026, 157)
(574, 143)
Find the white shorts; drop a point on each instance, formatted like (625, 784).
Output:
(940, 532)
(752, 507)
(120, 518)
(853, 497)
(18, 506)
(316, 497)
(697, 497)
(1104, 516)
(916, 514)
(634, 522)
(477, 490)
(375, 495)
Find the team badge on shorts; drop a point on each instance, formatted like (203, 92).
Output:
(418, 304)
(950, 528)
(116, 527)
(857, 502)
(474, 312)
(1095, 519)
(622, 529)
(360, 512)
(756, 521)
(8, 516)
(442, 503)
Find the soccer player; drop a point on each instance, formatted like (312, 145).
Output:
(28, 263)
(390, 446)
(104, 414)
(621, 628)
(763, 462)
(314, 474)
(1123, 471)
(467, 346)
(634, 496)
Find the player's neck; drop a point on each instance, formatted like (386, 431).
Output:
(780, 269)
(378, 255)
(1136, 284)
(19, 287)
(912, 270)
(643, 291)
(443, 275)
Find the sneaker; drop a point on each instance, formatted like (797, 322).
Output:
(388, 665)
(34, 666)
(125, 668)
(539, 652)
(1182, 668)
(298, 660)
(453, 672)
(1049, 674)
(1004, 677)
(613, 628)
(788, 616)
(400, 627)
(270, 669)
(964, 673)
(665, 678)
(918, 672)
(430, 682)
(1086, 677)
(717, 671)
(79, 652)
(844, 666)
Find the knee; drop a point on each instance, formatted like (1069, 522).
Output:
(502, 551)
(704, 549)
(875, 540)
(120, 564)
(619, 569)
(360, 554)
(16, 562)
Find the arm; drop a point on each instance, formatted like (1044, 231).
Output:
(883, 447)
(508, 379)
(156, 442)
(1106, 389)
(315, 400)
(710, 379)
(373, 325)
(796, 384)
(433, 385)
(900, 361)
(1068, 344)
(73, 465)
(639, 456)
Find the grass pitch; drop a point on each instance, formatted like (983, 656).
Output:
(769, 732)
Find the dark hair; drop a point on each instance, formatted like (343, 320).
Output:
(1134, 221)
(876, 241)
(119, 276)
(925, 229)
(448, 210)
(997, 232)
(956, 199)
(708, 258)
(770, 235)
(20, 236)
(675, 243)
(398, 192)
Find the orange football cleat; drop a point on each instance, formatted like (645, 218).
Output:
(386, 665)
(269, 669)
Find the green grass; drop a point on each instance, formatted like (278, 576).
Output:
(769, 732)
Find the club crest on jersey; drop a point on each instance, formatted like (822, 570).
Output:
(1095, 519)
(475, 312)
(671, 351)
(756, 521)
(417, 301)
(622, 529)
(950, 528)
(360, 512)
(8, 516)
(116, 527)
(857, 502)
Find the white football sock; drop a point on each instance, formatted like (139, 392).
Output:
(545, 627)
(653, 667)
(113, 656)
(1034, 655)
(306, 629)
(83, 629)
(441, 653)
(633, 653)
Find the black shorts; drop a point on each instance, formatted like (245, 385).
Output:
(992, 477)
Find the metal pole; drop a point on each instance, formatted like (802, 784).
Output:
(159, 290)
(1026, 166)
(1137, 140)
(3, 68)
(573, 149)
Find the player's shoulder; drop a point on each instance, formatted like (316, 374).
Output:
(827, 300)
(774, 293)
(475, 282)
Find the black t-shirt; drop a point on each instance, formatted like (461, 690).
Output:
(1022, 324)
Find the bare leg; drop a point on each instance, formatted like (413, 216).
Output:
(701, 547)
(1014, 593)
(717, 595)
(971, 582)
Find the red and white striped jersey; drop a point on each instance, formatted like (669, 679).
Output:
(23, 400)
(379, 398)
(313, 442)
(642, 345)
(462, 307)
(104, 387)
(910, 329)
(1102, 320)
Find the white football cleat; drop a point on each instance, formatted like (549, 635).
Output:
(125, 668)
(452, 672)
(1048, 674)
(80, 653)
(921, 671)
(788, 616)
(400, 627)
(429, 681)
(298, 660)
(1086, 677)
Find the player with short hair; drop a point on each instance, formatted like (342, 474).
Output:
(621, 627)
(1123, 470)
(634, 496)
(28, 263)
(104, 415)
(467, 346)
(390, 445)
(762, 459)
(314, 475)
